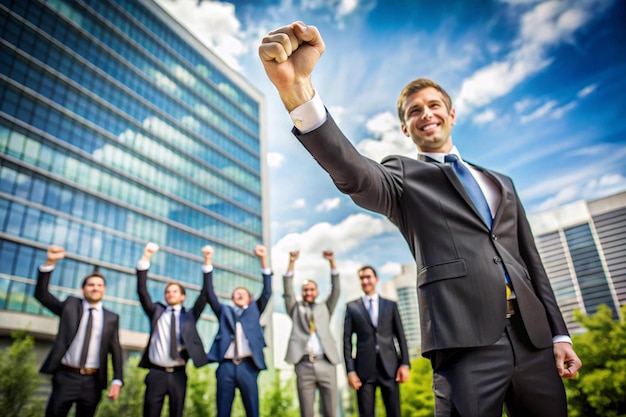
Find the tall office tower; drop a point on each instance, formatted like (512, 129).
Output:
(118, 127)
(583, 247)
(403, 289)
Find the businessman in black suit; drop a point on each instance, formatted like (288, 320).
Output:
(490, 323)
(87, 334)
(376, 322)
(239, 342)
(173, 340)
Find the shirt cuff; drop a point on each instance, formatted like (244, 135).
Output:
(288, 274)
(143, 265)
(334, 272)
(310, 115)
(266, 271)
(562, 338)
(46, 268)
(207, 268)
(117, 382)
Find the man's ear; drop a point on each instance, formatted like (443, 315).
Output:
(404, 130)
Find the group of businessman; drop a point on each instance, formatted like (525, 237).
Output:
(88, 333)
(490, 323)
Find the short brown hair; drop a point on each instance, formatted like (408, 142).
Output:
(418, 85)
(309, 281)
(182, 289)
(94, 274)
(371, 268)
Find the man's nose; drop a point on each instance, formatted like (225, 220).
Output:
(427, 114)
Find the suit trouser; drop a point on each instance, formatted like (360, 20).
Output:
(476, 382)
(366, 395)
(322, 375)
(243, 376)
(160, 383)
(69, 388)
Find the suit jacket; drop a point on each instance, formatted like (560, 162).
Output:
(300, 332)
(249, 321)
(460, 284)
(70, 312)
(188, 318)
(358, 321)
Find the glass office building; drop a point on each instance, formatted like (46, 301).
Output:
(583, 248)
(117, 127)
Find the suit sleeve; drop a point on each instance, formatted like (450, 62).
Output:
(370, 184)
(347, 341)
(335, 289)
(142, 291)
(398, 331)
(266, 293)
(42, 293)
(537, 273)
(201, 301)
(209, 293)
(288, 293)
(116, 352)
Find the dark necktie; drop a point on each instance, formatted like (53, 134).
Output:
(173, 344)
(472, 188)
(83, 354)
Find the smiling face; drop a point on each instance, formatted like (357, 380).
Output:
(241, 297)
(93, 289)
(309, 291)
(174, 294)
(368, 279)
(428, 120)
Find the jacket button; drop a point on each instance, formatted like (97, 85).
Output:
(497, 260)
(494, 236)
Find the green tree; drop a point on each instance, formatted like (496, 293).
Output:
(278, 399)
(600, 388)
(19, 378)
(416, 394)
(130, 401)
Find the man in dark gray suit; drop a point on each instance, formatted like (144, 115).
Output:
(87, 334)
(376, 322)
(173, 340)
(311, 346)
(490, 323)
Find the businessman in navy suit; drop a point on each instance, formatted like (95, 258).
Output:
(374, 361)
(239, 343)
(87, 334)
(173, 340)
(490, 323)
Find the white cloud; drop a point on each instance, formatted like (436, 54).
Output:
(387, 139)
(275, 159)
(587, 90)
(548, 111)
(485, 117)
(542, 27)
(342, 237)
(299, 203)
(214, 23)
(328, 204)
(390, 268)
(346, 7)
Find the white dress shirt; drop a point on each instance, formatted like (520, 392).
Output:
(72, 355)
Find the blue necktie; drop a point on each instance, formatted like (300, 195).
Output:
(472, 188)
(475, 193)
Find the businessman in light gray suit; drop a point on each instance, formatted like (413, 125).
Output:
(490, 323)
(311, 347)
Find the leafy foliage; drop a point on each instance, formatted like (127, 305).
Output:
(19, 379)
(416, 395)
(600, 388)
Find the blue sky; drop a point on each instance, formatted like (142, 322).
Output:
(539, 88)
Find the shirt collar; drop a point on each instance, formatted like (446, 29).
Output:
(87, 306)
(439, 156)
